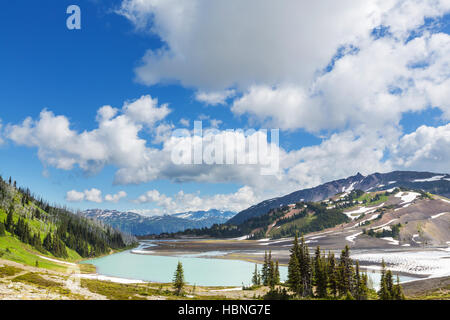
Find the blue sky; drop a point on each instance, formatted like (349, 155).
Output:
(332, 124)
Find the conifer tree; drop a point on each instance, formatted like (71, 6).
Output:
(48, 242)
(294, 276)
(271, 276)
(389, 283)
(398, 291)
(361, 289)
(277, 273)
(305, 268)
(256, 279)
(332, 274)
(9, 223)
(346, 274)
(265, 270)
(178, 279)
(383, 293)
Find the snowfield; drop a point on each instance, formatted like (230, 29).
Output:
(407, 197)
(433, 263)
(356, 213)
(353, 237)
(435, 178)
(107, 278)
(438, 215)
(391, 241)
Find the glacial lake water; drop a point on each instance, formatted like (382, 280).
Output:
(202, 269)
(198, 270)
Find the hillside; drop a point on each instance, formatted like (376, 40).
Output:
(397, 215)
(435, 183)
(138, 225)
(32, 231)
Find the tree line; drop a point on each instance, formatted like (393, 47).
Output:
(65, 229)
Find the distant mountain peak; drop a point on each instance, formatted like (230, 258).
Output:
(137, 224)
(437, 183)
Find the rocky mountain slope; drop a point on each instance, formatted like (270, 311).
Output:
(435, 183)
(137, 224)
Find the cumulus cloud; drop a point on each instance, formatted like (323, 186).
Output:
(115, 141)
(427, 149)
(264, 57)
(115, 197)
(373, 86)
(92, 195)
(214, 98)
(183, 202)
(75, 196)
(352, 76)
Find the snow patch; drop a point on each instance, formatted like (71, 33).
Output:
(435, 178)
(391, 241)
(58, 261)
(356, 213)
(353, 237)
(438, 215)
(407, 197)
(108, 278)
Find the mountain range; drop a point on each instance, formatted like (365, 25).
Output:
(430, 182)
(137, 224)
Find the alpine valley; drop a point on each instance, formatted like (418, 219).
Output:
(137, 224)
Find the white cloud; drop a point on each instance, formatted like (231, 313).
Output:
(214, 98)
(116, 197)
(92, 195)
(145, 110)
(116, 141)
(183, 202)
(269, 51)
(75, 196)
(374, 86)
(217, 45)
(184, 122)
(427, 149)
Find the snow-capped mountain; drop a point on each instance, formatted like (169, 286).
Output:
(137, 224)
(437, 183)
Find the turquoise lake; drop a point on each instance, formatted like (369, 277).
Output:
(197, 270)
(200, 269)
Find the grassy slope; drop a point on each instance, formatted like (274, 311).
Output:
(13, 249)
(298, 223)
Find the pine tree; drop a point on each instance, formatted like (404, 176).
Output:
(390, 283)
(320, 274)
(277, 273)
(294, 276)
(48, 242)
(305, 268)
(255, 278)
(383, 293)
(2, 229)
(265, 270)
(398, 291)
(332, 274)
(271, 277)
(345, 274)
(361, 290)
(178, 280)
(9, 223)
